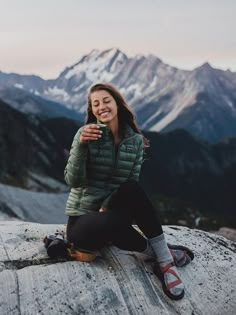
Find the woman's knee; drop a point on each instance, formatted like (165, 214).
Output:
(89, 227)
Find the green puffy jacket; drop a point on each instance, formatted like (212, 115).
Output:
(96, 170)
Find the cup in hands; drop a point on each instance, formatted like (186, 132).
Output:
(93, 132)
(102, 127)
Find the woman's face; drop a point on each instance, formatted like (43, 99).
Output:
(104, 107)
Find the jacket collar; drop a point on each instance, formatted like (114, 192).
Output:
(129, 132)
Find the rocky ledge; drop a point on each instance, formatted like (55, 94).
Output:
(117, 282)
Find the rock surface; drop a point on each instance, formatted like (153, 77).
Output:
(227, 233)
(118, 282)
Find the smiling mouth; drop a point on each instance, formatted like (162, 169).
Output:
(104, 114)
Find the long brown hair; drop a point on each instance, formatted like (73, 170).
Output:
(125, 114)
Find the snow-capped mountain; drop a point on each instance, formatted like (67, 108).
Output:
(29, 103)
(202, 101)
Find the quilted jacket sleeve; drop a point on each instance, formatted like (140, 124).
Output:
(75, 171)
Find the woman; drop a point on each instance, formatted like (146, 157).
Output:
(103, 170)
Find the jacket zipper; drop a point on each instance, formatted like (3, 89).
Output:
(118, 152)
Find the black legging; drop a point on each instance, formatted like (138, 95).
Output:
(130, 203)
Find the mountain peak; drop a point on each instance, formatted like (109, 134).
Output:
(205, 66)
(114, 50)
(97, 65)
(151, 56)
(205, 71)
(108, 53)
(112, 53)
(93, 52)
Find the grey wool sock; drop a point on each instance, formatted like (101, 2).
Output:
(161, 249)
(164, 257)
(149, 251)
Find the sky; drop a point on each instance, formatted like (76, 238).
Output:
(43, 37)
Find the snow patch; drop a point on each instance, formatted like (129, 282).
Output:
(176, 106)
(18, 85)
(97, 66)
(230, 104)
(135, 89)
(154, 82)
(157, 113)
(57, 92)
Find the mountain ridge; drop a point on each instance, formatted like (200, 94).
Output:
(203, 100)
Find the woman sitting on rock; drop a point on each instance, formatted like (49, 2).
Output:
(105, 198)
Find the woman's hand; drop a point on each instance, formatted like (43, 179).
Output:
(90, 132)
(102, 209)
